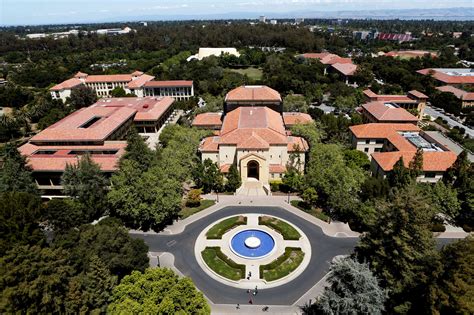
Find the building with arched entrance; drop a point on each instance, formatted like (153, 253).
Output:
(256, 139)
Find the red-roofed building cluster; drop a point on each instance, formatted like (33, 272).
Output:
(386, 143)
(333, 62)
(137, 83)
(393, 108)
(466, 98)
(253, 135)
(98, 130)
(451, 76)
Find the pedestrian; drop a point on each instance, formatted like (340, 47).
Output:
(250, 274)
(248, 291)
(250, 301)
(238, 306)
(248, 277)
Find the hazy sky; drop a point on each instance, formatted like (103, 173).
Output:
(20, 12)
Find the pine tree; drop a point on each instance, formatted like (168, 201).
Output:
(353, 289)
(416, 164)
(400, 175)
(15, 175)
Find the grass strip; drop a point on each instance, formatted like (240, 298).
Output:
(188, 211)
(287, 231)
(222, 265)
(283, 265)
(216, 232)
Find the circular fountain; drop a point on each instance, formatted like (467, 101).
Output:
(252, 244)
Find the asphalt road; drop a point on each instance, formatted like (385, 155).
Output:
(324, 249)
(451, 122)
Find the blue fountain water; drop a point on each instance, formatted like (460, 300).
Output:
(259, 244)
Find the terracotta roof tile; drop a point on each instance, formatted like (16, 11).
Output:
(208, 119)
(291, 119)
(383, 112)
(345, 68)
(446, 78)
(277, 168)
(432, 161)
(253, 93)
(140, 81)
(178, 83)
(68, 84)
(108, 78)
(461, 94)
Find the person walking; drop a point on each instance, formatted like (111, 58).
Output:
(238, 306)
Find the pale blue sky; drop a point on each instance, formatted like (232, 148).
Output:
(21, 12)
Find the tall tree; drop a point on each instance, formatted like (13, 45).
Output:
(400, 248)
(157, 291)
(454, 290)
(416, 164)
(20, 214)
(353, 289)
(233, 179)
(400, 175)
(137, 150)
(86, 182)
(15, 175)
(82, 96)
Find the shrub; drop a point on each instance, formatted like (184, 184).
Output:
(194, 198)
(438, 227)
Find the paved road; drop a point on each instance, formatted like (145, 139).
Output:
(430, 111)
(323, 247)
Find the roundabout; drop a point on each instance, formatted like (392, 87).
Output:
(252, 249)
(180, 248)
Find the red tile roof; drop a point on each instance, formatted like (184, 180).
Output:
(252, 128)
(70, 128)
(108, 78)
(461, 94)
(63, 155)
(432, 161)
(291, 119)
(147, 108)
(140, 81)
(225, 168)
(383, 112)
(255, 93)
(347, 69)
(446, 78)
(207, 119)
(417, 94)
(327, 58)
(172, 83)
(68, 84)
(277, 168)
(394, 98)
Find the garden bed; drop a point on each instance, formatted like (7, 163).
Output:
(283, 265)
(315, 212)
(188, 211)
(287, 231)
(222, 265)
(216, 232)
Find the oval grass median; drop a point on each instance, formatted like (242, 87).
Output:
(222, 265)
(216, 232)
(283, 265)
(287, 231)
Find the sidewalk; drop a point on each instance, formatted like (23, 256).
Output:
(333, 229)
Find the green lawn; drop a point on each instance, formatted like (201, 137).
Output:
(188, 211)
(283, 265)
(221, 264)
(315, 212)
(252, 73)
(287, 231)
(222, 227)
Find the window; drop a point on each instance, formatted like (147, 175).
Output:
(90, 122)
(367, 141)
(379, 141)
(430, 175)
(45, 152)
(378, 150)
(366, 150)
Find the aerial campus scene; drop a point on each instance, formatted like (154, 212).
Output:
(232, 157)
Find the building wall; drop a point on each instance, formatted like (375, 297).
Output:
(177, 92)
(425, 177)
(61, 95)
(276, 106)
(103, 89)
(368, 146)
(467, 103)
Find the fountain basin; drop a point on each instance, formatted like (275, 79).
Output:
(252, 244)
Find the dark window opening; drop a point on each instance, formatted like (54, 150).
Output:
(45, 152)
(90, 122)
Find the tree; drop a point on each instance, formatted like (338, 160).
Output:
(353, 289)
(454, 289)
(356, 158)
(137, 150)
(118, 92)
(63, 214)
(337, 184)
(110, 242)
(233, 179)
(15, 175)
(310, 196)
(400, 175)
(157, 291)
(292, 179)
(85, 182)
(399, 248)
(363, 75)
(194, 198)
(311, 132)
(295, 103)
(416, 164)
(345, 102)
(34, 280)
(136, 197)
(89, 292)
(19, 220)
(82, 96)
(444, 198)
(208, 176)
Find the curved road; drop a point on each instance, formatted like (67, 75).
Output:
(324, 249)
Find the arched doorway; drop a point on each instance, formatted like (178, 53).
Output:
(253, 169)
